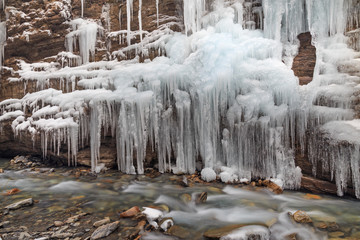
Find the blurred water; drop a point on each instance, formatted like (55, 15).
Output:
(225, 205)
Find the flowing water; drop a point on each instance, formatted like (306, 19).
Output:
(112, 192)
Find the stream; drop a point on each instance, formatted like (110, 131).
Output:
(62, 191)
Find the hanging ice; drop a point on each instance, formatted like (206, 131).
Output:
(84, 34)
(82, 7)
(2, 41)
(220, 99)
(129, 13)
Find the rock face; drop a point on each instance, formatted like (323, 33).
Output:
(304, 62)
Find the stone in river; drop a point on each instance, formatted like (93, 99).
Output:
(104, 230)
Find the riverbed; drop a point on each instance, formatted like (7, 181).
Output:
(60, 193)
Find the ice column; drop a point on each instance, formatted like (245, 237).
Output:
(193, 12)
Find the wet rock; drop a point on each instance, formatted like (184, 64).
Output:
(186, 198)
(101, 222)
(58, 223)
(130, 212)
(141, 225)
(184, 182)
(166, 223)
(24, 236)
(251, 232)
(12, 192)
(75, 218)
(61, 235)
(336, 234)
(20, 204)
(20, 159)
(75, 224)
(179, 232)
(152, 214)
(201, 198)
(301, 217)
(328, 226)
(4, 224)
(272, 186)
(104, 230)
(312, 197)
(220, 232)
(292, 236)
(129, 233)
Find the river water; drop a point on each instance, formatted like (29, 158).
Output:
(112, 192)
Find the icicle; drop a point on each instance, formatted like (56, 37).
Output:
(129, 9)
(120, 19)
(82, 8)
(2, 41)
(193, 12)
(140, 21)
(157, 13)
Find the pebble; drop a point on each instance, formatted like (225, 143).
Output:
(101, 222)
(104, 230)
(20, 204)
(301, 217)
(131, 212)
(58, 223)
(24, 236)
(4, 224)
(75, 218)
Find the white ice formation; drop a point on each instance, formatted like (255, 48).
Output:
(223, 93)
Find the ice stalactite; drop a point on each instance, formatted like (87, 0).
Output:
(129, 13)
(2, 41)
(82, 8)
(120, 16)
(193, 12)
(84, 34)
(140, 21)
(157, 13)
(219, 99)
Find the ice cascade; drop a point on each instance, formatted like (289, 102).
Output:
(222, 99)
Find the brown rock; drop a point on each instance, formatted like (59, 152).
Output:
(58, 223)
(101, 222)
(201, 198)
(131, 212)
(304, 63)
(104, 230)
(272, 186)
(179, 232)
(301, 217)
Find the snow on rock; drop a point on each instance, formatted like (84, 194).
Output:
(244, 233)
(208, 174)
(152, 214)
(228, 175)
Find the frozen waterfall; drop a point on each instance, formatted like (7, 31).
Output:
(223, 96)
